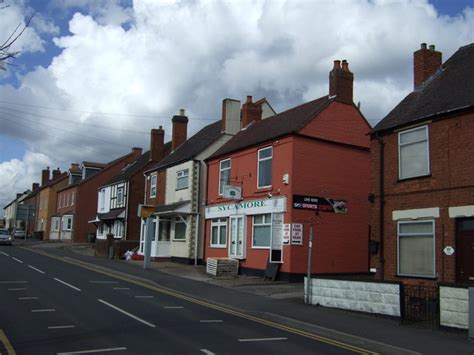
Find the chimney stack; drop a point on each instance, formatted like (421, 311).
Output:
(425, 63)
(35, 186)
(157, 140)
(250, 112)
(341, 82)
(137, 151)
(230, 116)
(180, 129)
(56, 173)
(45, 176)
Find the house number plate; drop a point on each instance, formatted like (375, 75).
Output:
(449, 250)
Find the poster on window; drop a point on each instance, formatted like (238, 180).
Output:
(277, 230)
(297, 233)
(286, 233)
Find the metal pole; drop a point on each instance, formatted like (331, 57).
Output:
(310, 254)
(147, 247)
(27, 219)
(471, 313)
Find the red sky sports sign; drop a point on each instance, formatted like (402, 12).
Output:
(317, 203)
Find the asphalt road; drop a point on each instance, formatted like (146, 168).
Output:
(48, 306)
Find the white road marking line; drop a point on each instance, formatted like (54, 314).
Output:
(211, 321)
(16, 289)
(207, 352)
(17, 260)
(121, 288)
(104, 282)
(173, 307)
(262, 339)
(1, 252)
(68, 285)
(32, 267)
(62, 327)
(43, 310)
(92, 351)
(13, 282)
(27, 298)
(126, 313)
(144, 296)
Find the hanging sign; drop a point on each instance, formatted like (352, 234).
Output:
(317, 203)
(286, 234)
(297, 233)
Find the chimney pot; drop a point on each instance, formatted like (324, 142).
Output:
(423, 46)
(432, 47)
(337, 64)
(56, 173)
(345, 65)
(181, 112)
(249, 99)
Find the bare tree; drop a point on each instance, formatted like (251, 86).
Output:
(5, 48)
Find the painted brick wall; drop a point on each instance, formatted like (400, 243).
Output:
(451, 150)
(454, 307)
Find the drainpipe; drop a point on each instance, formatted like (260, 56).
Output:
(198, 196)
(382, 203)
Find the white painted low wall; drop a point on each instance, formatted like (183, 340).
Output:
(454, 307)
(371, 297)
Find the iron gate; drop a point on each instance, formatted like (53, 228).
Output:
(421, 305)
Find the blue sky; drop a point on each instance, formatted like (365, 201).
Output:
(95, 75)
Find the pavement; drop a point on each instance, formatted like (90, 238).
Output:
(279, 302)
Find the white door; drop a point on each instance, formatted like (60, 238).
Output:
(237, 237)
(163, 238)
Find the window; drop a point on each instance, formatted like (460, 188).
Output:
(265, 167)
(120, 195)
(118, 229)
(416, 244)
(102, 200)
(219, 232)
(182, 179)
(56, 222)
(67, 223)
(224, 174)
(262, 229)
(413, 153)
(179, 229)
(153, 186)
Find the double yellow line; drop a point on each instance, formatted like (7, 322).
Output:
(173, 293)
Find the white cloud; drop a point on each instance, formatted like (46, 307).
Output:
(160, 56)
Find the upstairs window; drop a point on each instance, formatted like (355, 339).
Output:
(224, 174)
(265, 156)
(120, 195)
(182, 179)
(413, 152)
(153, 181)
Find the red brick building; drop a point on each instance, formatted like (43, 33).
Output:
(285, 166)
(422, 173)
(77, 203)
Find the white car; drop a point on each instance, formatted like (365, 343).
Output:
(6, 237)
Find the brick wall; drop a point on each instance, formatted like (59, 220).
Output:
(451, 183)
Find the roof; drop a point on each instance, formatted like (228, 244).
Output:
(287, 122)
(91, 164)
(131, 169)
(192, 147)
(180, 207)
(113, 214)
(449, 89)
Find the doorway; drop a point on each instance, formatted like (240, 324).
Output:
(465, 250)
(237, 236)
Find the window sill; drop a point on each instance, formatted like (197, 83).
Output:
(260, 248)
(264, 189)
(414, 178)
(416, 277)
(178, 240)
(218, 246)
(182, 188)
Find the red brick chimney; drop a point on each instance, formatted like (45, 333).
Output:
(45, 176)
(341, 82)
(180, 129)
(35, 186)
(56, 173)
(426, 61)
(157, 140)
(137, 151)
(250, 112)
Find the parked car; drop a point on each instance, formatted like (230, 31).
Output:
(18, 233)
(6, 237)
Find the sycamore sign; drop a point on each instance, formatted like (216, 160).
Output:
(273, 205)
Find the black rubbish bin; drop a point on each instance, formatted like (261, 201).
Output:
(91, 238)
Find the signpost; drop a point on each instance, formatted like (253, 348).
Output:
(146, 212)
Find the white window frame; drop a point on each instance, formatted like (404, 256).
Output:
(264, 224)
(56, 223)
(221, 170)
(102, 200)
(219, 223)
(120, 200)
(153, 185)
(258, 167)
(432, 221)
(65, 223)
(181, 174)
(119, 226)
(178, 220)
(400, 177)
